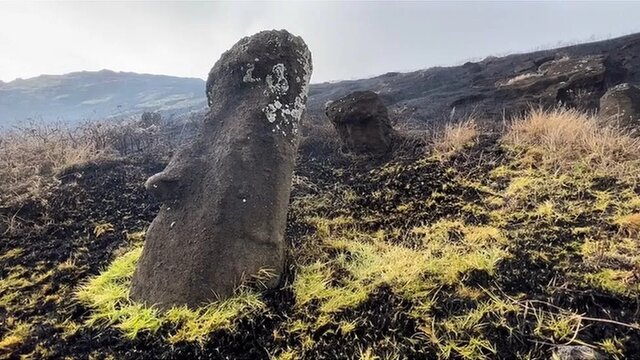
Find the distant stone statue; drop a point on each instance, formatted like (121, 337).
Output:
(362, 122)
(620, 105)
(225, 196)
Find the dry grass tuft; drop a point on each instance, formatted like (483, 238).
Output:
(16, 336)
(455, 138)
(32, 156)
(565, 139)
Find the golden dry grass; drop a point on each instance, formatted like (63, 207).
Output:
(565, 139)
(455, 137)
(32, 156)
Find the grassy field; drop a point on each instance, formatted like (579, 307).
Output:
(466, 245)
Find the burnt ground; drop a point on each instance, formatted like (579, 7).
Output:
(60, 248)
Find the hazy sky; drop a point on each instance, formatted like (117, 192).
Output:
(347, 39)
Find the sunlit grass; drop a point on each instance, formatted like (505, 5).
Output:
(455, 137)
(563, 139)
(108, 297)
(17, 334)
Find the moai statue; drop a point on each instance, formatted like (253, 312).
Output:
(225, 195)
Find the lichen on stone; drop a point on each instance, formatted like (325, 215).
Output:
(248, 76)
(277, 85)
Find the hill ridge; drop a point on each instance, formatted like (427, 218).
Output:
(415, 98)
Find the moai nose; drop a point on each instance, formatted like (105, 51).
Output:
(163, 186)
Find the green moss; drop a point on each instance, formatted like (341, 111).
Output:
(613, 280)
(449, 250)
(10, 286)
(612, 346)
(347, 326)
(604, 200)
(559, 327)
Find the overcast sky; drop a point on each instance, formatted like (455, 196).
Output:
(348, 40)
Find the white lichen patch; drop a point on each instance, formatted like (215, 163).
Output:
(277, 84)
(289, 114)
(620, 87)
(248, 76)
(270, 113)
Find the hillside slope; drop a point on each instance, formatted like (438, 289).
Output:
(430, 95)
(97, 95)
(417, 98)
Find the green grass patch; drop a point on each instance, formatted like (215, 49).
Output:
(107, 295)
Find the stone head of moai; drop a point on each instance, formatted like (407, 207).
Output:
(362, 122)
(620, 106)
(225, 195)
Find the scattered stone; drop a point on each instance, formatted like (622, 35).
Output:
(362, 122)
(225, 195)
(620, 105)
(577, 352)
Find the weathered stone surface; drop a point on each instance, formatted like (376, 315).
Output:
(620, 105)
(362, 122)
(225, 195)
(572, 81)
(577, 352)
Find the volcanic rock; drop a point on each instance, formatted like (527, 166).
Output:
(362, 122)
(620, 105)
(428, 96)
(577, 352)
(225, 195)
(570, 81)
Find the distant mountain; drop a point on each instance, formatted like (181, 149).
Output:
(492, 88)
(87, 95)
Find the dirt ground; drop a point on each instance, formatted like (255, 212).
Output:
(54, 245)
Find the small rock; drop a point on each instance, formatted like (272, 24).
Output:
(577, 352)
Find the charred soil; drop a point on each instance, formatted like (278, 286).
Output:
(523, 295)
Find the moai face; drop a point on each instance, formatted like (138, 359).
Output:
(226, 194)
